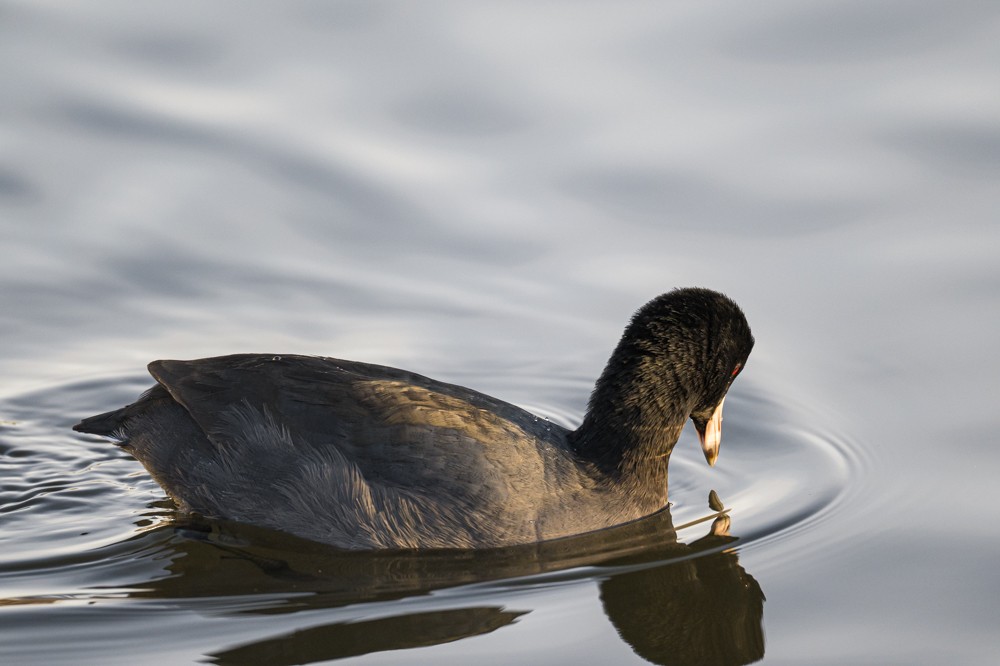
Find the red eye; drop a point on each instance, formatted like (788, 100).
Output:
(736, 370)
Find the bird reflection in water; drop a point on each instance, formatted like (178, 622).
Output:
(671, 602)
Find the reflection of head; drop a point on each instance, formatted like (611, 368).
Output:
(704, 610)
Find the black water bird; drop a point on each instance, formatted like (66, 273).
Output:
(364, 456)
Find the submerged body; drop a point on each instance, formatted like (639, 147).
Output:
(363, 456)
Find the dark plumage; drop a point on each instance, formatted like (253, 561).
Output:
(365, 456)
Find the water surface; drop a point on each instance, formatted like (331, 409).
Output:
(483, 194)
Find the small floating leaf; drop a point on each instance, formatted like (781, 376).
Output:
(714, 503)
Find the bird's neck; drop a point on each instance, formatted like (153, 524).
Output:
(635, 415)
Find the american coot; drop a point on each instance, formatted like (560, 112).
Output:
(365, 456)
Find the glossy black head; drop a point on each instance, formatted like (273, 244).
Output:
(700, 336)
(676, 359)
(728, 343)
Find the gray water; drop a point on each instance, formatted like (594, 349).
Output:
(483, 193)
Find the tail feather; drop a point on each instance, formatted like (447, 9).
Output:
(108, 424)
(114, 424)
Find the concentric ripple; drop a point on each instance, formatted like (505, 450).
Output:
(85, 527)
